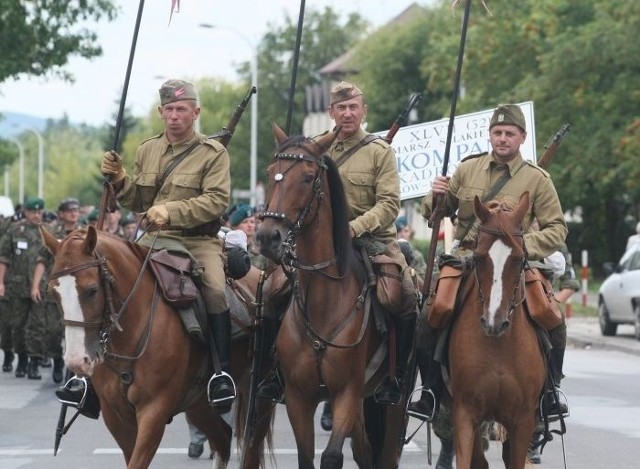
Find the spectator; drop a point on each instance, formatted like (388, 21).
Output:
(633, 239)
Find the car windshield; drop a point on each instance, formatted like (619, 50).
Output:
(631, 259)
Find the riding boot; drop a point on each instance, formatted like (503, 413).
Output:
(391, 390)
(556, 406)
(21, 368)
(425, 408)
(271, 388)
(58, 365)
(445, 460)
(221, 389)
(32, 370)
(326, 420)
(7, 365)
(533, 454)
(78, 392)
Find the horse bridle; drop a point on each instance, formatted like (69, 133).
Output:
(290, 257)
(513, 302)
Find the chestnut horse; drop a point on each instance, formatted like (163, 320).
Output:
(497, 368)
(145, 368)
(327, 336)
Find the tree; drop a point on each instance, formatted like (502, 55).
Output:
(38, 37)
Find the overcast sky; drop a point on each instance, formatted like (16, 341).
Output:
(181, 49)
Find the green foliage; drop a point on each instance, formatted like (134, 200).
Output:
(37, 37)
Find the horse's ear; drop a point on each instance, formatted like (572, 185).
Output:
(279, 134)
(91, 240)
(50, 242)
(522, 208)
(326, 140)
(480, 209)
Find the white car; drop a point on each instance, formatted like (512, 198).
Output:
(619, 294)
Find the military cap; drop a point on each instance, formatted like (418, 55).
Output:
(93, 215)
(242, 212)
(177, 90)
(34, 203)
(68, 204)
(508, 114)
(343, 91)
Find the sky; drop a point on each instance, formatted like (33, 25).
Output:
(181, 49)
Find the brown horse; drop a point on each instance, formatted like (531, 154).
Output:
(145, 368)
(327, 336)
(497, 367)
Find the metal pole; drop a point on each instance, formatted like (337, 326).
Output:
(254, 128)
(20, 170)
(294, 71)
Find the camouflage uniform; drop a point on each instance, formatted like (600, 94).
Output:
(19, 250)
(5, 324)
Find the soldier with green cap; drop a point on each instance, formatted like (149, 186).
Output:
(181, 182)
(19, 250)
(242, 218)
(368, 169)
(505, 175)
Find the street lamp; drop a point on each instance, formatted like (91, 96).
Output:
(20, 170)
(40, 160)
(254, 107)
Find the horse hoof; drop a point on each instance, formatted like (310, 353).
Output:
(195, 450)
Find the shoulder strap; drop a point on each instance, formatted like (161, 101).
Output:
(345, 156)
(175, 162)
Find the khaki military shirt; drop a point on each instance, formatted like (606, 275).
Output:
(372, 186)
(476, 175)
(196, 191)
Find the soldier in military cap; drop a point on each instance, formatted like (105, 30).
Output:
(19, 249)
(242, 218)
(368, 168)
(68, 217)
(186, 204)
(506, 175)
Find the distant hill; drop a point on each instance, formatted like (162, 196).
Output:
(12, 123)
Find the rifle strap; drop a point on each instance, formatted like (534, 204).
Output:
(347, 154)
(175, 162)
(500, 183)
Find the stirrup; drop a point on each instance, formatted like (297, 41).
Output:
(71, 389)
(223, 401)
(387, 387)
(272, 380)
(559, 398)
(415, 412)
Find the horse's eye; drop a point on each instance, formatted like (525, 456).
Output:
(90, 292)
(308, 178)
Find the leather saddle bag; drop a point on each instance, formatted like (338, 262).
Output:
(173, 273)
(442, 301)
(541, 304)
(389, 287)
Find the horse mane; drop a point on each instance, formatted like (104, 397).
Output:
(501, 212)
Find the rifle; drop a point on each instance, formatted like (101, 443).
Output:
(551, 147)
(224, 136)
(401, 120)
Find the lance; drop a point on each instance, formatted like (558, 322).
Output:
(107, 190)
(438, 202)
(294, 72)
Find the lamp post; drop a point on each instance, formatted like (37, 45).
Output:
(254, 107)
(20, 170)
(40, 160)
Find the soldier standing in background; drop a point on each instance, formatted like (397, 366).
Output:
(5, 325)
(19, 250)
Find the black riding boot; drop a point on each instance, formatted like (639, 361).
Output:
(445, 460)
(556, 406)
(425, 408)
(271, 388)
(58, 366)
(221, 390)
(78, 392)
(391, 390)
(326, 420)
(7, 365)
(21, 368)
(32, 370)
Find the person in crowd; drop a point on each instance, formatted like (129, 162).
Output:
(68, 217)
(634, 239)
(242, 218)
(5, 324)
(112, 222)
(405, 232)
(129, 226)
(19, 249)
(501, 174)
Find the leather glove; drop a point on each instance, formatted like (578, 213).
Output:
(158, 214)
(112, 165)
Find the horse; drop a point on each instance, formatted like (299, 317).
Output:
(145, 368)
(497, 367)
(327, 335)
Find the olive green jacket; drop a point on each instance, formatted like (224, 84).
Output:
(477, 174)
(19, 250)
(372, 186)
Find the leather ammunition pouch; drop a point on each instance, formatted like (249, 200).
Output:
(539, 300)
(441, 302)
(174, 275)
(394, 289)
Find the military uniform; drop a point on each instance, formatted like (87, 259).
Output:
(19, 250)
(195, 193)
(5, 324)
